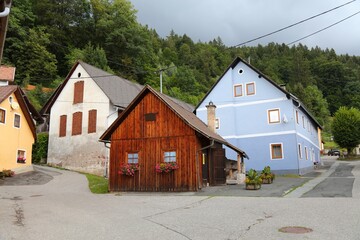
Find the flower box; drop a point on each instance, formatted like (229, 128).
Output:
(267, 176)
(129, 169)
(166, 167)
(253, 180)
(21, 160)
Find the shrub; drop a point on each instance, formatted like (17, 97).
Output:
(8, 173)
(40, 147)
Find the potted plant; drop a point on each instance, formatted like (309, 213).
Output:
(129, 169)
(253, 180)
(166, 167)
(267, 176)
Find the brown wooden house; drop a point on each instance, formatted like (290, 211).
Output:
(154, 129)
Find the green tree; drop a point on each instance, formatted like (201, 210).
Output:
(316, 103)
(95, 56)
(346, 128)
(35, 61)
(69, 24)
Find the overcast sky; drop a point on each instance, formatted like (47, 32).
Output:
(237, 21)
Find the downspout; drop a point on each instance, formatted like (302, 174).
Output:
(197, 161)
(106, 159)
(297, 139)
(5, 12)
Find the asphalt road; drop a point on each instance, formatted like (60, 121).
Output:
(64, 208)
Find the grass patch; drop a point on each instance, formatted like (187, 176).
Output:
(349, 158)
(97, 184)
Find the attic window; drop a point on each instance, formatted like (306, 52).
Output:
(150, 117)
(79, 74)
(241, 71)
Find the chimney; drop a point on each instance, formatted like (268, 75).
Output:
(211, 116)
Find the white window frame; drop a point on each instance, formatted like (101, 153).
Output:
(269, 117)
(271, 151)
(16, 114)
(234, 90)
(17, 155)
(246, 88)
(4, 116)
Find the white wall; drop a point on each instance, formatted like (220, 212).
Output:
(81, 152)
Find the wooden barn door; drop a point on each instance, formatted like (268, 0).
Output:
(217, 168)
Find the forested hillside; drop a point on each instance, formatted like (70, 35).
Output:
(46, 37)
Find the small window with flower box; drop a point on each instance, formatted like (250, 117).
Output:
(170, 156)
(133, 158)
(21, 156)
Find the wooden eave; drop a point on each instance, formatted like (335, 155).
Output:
(45, 110)
(22, 103)
(191, 120)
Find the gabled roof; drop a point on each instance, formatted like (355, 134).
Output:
(7, 73)
(187, 116)
(120, 91)
(6, 91)
(289, 95)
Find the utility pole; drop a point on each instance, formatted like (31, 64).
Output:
(161, 72)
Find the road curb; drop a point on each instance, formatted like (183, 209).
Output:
(298, 192)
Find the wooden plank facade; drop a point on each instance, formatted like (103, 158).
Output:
(149, 127)
(150, 139)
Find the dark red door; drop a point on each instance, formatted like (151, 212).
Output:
(218, 166)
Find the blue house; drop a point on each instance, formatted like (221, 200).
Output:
(269, 123)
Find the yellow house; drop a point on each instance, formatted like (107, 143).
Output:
(17, 130)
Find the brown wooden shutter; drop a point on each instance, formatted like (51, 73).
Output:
(77, 123)
(92, 121)
(62, 131)
(78, 92)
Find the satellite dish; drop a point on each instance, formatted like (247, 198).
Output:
(14, 105)
(285, 120)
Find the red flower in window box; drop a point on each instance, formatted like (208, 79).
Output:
(166, 167)
(129, 169)
(21, 160)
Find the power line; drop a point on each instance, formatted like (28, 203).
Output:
(323, 28)
(294, 24)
